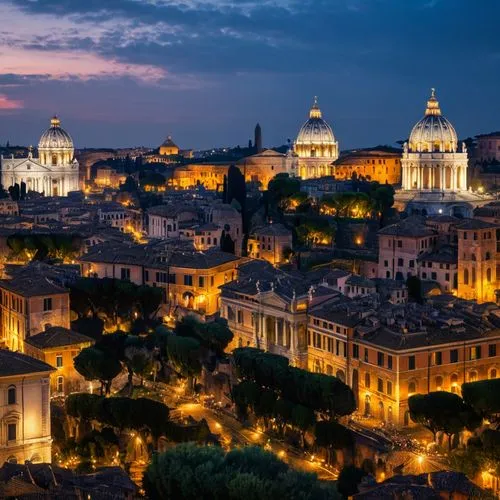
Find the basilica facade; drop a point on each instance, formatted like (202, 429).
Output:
(53, 173)
(315, 148)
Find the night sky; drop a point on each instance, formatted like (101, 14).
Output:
(131, 72)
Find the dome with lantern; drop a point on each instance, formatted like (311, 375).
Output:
(433, 133)
(316, 137)
(55, 146)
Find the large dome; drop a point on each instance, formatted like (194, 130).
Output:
(433, 132)
(316, 137)
(55, 137)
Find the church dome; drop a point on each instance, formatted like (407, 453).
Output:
(433, 132)
(315, 131)
(55, 137)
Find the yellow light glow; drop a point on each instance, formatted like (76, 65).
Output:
(420, 459)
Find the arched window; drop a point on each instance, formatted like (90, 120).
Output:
(454, 383)
(412, 388)
(439, 383)
(54, 159)
(389, 414)
(466, 276)
(329, 369)
(12, 460)
(473, 276)
(488, 275)
(472, 376)
(493, 373)
(11, 395)
(340, 375)
(367, 380)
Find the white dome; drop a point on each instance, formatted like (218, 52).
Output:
(55, 137)
(433, 132)
(315, 131)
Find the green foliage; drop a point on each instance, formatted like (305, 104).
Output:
(281, 188)
(45, 246)
(141, 414)
(333, 435)
(349, 479)
(184, 355)
(206, 473)
(443, 411)
(113, 299)
(484, 397)
(214, 336)
(314, 230)
(153, 180)
(93, 364)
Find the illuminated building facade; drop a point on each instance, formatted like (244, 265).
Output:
(58, 346)
(371, 164)
(395, 352)
(315, 146)
(169, 148)
(270, 243)
(479, 270)
(54, 172)
(24, 409)
(29, 305)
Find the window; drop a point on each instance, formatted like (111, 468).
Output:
(171, 278)
(412, 263)
(11, 395)
(11, 432)
(201, 281)
(355, 351)
(188, 280)
(389, 362)
(240, 316)
(59, 361)
(433, 276)
(411, 362)
(466, 276)
(380, 385)
(454, 356)
(60, 384)
(386, 263)
(439, 383)
(400, 243)
(492, 350)
(389, 388)
(47, 304)
(366, 355)
(438, 358)
(475, 352)
(412, 388)
(380, 358)
(400, 262)
(367, 380)
(125, 273)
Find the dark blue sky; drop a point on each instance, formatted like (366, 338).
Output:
(130, 72)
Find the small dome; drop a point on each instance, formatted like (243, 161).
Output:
(315, 131)
(433, 132)
(55, 137)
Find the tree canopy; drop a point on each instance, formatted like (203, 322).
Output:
(208, 473)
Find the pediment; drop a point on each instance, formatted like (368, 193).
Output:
(30, 165)
(272, 299)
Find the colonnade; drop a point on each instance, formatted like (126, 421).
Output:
(435, 177)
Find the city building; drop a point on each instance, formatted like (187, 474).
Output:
(315, 146)
(58, 346)
(164, 220)
(387, 352)
(434, 168)
(30, 305)
(272, 242)
(53, 173)
(376, 164)
(488, 147)
(168, 147)
(24, 408)
(107, 177)
(190, 280)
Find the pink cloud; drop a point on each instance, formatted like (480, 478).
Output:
(62, 65)
(6, 103)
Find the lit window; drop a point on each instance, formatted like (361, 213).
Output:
(11, 396)
(59, 361)
(47, 304)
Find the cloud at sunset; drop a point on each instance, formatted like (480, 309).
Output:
(6, 103)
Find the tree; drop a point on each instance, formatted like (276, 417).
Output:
(139, 361)
(484, 397)
(236, 187)
(280, 189)
(183, 354)
(93, 364)
(302, 419)
(349, 479)
(227, 243)
(443, 411)
(333, 436)
(207, 473)
(130, 185)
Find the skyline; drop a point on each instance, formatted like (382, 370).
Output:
(206, 71)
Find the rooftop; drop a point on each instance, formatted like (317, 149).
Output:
(57, 336)
(15, 363)
(32, 286)
(413, 227)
